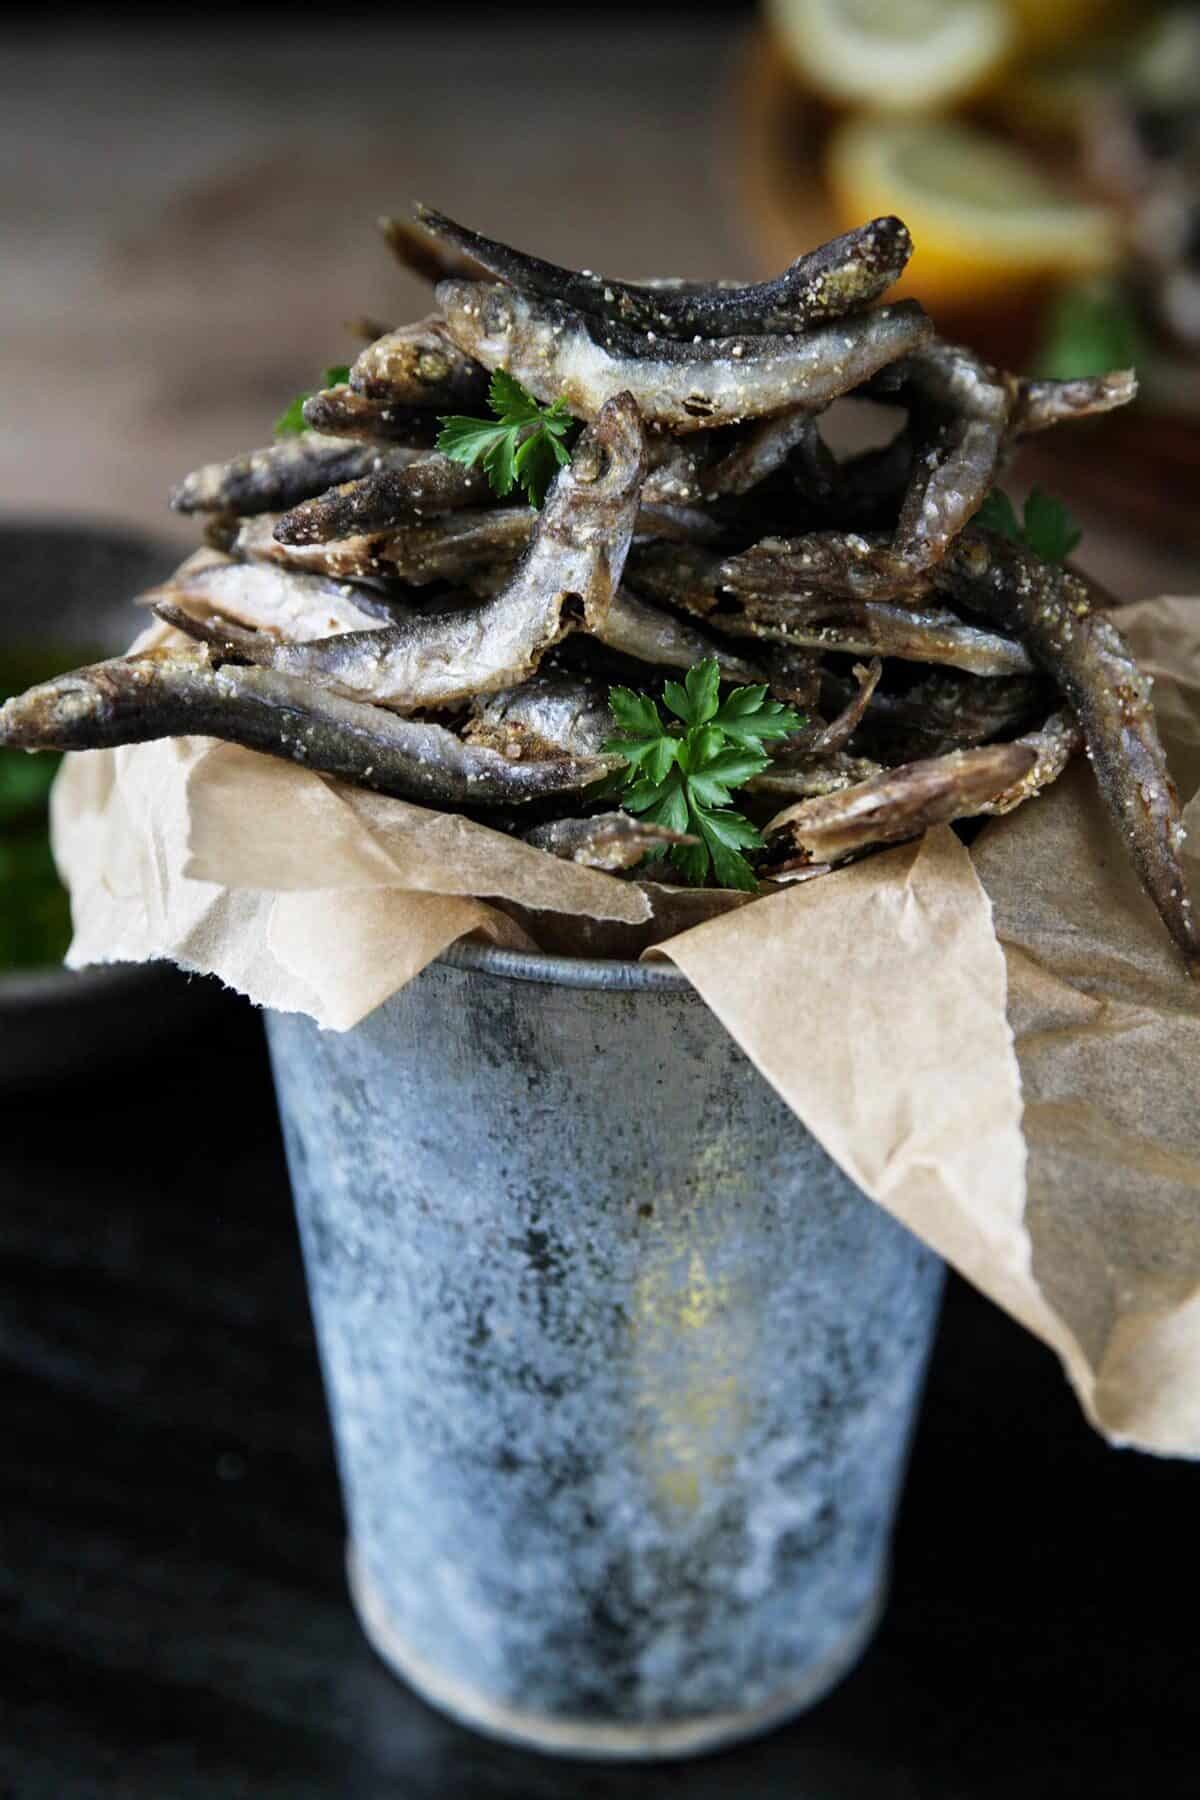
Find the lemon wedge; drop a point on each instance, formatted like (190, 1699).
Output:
(894, 55)
(983, 216)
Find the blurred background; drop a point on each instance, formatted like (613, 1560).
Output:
(189, 209)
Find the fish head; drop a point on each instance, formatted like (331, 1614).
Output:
(608, 464)
(61, 714)
(485, 319)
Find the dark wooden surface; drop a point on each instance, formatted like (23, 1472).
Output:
(173, 1615)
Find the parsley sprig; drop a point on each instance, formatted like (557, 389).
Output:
(292, 422)
(526, 443)
(1046, 527)
(1090, 327)
(681, 771)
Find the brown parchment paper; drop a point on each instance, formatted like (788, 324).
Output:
(998, 1045)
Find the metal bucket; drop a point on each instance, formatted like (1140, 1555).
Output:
(622, 1368)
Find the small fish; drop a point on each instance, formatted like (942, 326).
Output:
(837, 734)
(687, 387)
(355, 559)
(686, 576)
(423, 255)
(972, 404)
(1053, 610)
(614, 840)
(675, 471)
(950, 710)
(875, 628)
(569, 576)
(420, 365)
(551, 714)
(282, 474)
(288, 603)
(1041, 404)
(848, 272)
(1054, 744)
(846, 564)
(893, 805)
(810, 618)
(188, 693)
(340, 412)
(462, 546)
(764, 447)
(805, 774)
(638, 629)
(430, 484)
(679, 524)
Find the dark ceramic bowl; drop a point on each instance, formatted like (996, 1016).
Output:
(69, 586)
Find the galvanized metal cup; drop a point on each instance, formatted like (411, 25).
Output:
(622, 1368)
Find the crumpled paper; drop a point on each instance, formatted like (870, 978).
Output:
(996, 1044)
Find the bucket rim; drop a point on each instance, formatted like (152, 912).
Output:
(566, 971)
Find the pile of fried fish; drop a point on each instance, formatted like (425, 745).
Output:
(367, 606)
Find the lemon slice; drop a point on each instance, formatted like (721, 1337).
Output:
(983, 217)
(894, 55)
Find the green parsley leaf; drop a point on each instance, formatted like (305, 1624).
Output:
(1046, 527)
(681, 772)
(999, 515)
(1089, 328)
(1049, 529)
(528, 446)
(292, 422)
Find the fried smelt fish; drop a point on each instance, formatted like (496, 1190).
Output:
(874, 628)
(340, 412)
(189, 693)
(642, 631)
(1096, 672)
(686, 387)
(894, 805)
(951, 475)
(844, 563)
(419, 365)
(1041, 404)
(461, 546)
(428, 485)
(569, 576)
(289, 603)
(804, 618)
(291, 470)
(803, 774)
(765, 447)
(423, 255)
(837, 734)
(1054, 744)
(355, 559)
(552, 713)
(950, 710)
(848, 272)
(612, 840)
